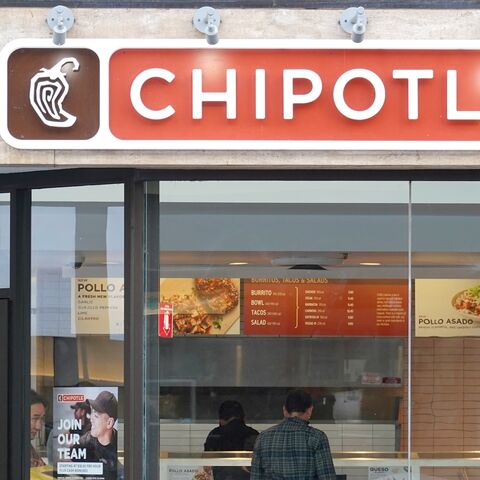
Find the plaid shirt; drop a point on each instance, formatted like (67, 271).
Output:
(292, 451)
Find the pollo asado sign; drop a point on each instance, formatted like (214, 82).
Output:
(239, 94)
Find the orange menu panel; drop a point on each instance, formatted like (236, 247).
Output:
(297, 306)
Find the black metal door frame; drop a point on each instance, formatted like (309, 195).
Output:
(19, 337)
(15, 329)
(3, 379)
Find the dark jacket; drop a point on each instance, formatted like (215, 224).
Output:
(235, 435)
(106, 454)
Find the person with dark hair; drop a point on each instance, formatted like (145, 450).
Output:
(38, 408)
(232, 434)
(292, 450)
(100, 441)
(103, 417)
(81, 412)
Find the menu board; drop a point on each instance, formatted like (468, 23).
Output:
(321, 306)
(97, 305)
(203, 306)
(189, 473)
(388, 473)
(447, 307)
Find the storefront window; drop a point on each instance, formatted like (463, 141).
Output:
(4, 240)
(77, 344)
(274, 286)
(253, 289)
(445, 337)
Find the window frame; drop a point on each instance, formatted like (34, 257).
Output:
(17, 371)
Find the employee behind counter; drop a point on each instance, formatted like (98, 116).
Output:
(232, 434)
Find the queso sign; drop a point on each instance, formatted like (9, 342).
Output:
(127, 94)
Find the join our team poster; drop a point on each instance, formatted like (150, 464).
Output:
(85, 433)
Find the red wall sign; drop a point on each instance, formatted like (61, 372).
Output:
(295, 95)
(298, 306)
(240, 95)
(165, 320)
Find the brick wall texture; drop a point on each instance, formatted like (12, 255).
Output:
(445, 395)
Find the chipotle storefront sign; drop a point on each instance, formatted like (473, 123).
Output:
(121, 94)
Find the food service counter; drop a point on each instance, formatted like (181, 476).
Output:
(343, 461)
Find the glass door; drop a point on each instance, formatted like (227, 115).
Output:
(263, 287)
(77, 333)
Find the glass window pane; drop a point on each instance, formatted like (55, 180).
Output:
(4, 240)
(446, 330)
(77, 344)
(281, 285)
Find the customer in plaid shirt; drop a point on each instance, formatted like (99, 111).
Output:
(292, 450)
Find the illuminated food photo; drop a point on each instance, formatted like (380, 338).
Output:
(468, 301)
(202, 306)
(220, 294)
(204, 473)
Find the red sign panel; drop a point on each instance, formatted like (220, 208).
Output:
(70, 397)
(165, 320)
(279, 94)
(298, 306)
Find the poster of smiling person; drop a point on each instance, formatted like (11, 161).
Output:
(85, 433)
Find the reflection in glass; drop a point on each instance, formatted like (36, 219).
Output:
(4, 240)
(77, 327)
(321, 274)
(446, 329)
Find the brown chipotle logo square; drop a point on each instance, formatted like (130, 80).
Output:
(53, 94)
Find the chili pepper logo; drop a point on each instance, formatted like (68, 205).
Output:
(48, 89)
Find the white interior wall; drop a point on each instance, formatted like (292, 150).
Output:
(343, 437)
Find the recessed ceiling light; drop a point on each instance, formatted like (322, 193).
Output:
(370, 264)
(324, 259)
(238, 263)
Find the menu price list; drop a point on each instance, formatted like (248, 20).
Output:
(320, 306)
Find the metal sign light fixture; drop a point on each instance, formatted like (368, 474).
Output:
(207, 20)
(60, 19)
(354, 21)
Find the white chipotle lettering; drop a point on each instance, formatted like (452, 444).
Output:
(291, 99)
